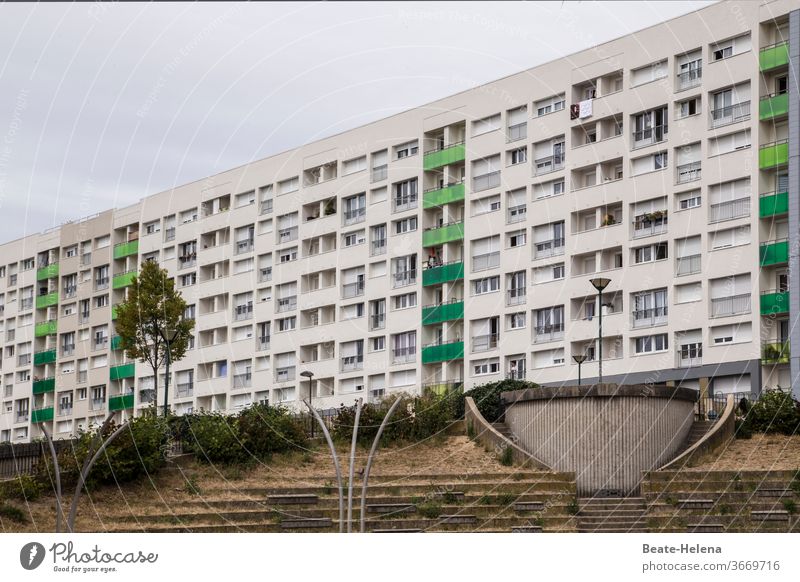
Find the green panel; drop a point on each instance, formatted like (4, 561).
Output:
(438, 236)
(450, 311)
(45, 328)
(449, 155)
(48, 300)
(443, 352)
(44, 386)
(442, 388)
(442, 196)
(772, 303)
(773, 155)
(120, 402)
(443, 274)
(116, 342)
(123, 280)
(771, 107)
(774, 253)
(773, 204)
(775, 353)
(113, 312)
(47, 272)
(123, 250)
(123, 371)
(774, 56)
(42, 415)
(45, 357)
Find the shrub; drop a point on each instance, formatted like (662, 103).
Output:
(429, 510)
(138, 450)
(22, 487)
(790, 506)
(12, 513)
(433, 413)
(266, 429)
(487, 398)
(507, 457)
(774, 412)
(742, 430)
(214, 438)
(400, 427)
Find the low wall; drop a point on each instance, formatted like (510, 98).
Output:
(488, 436)
(608, 434)
(719, 435)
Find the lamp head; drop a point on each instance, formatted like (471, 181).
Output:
(307, 374)
(579, 359)
(600, 283)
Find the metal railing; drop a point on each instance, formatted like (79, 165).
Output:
(100, 344)
(404, 278)
(101, 283)
(169, 234)
(484, 343)
(285, 373)
(687, 265)
(548, 164)
(287, 234)
(730, 114)
(286, 304)
(64, 409)
(485, 261)
(649, 136)
(380, 173)
(243, 380)
(26, 303)
(516, 296)
(67, 349)
(266, 207)
(644, 228)
(516, 213)
(242, 312)
(186, 261)
(378, 247)
(729, 210)
(184, 389)
(649, 317)
(689, 79)
(486, 181)
(548, 333)
(86, 259)
(688, 172)
(404, 355)
(23, 360)
(350, 290)
(352, 363)
(549, 248)
(245, 246)
(401, 203)
(262, 343)
(690, 355)
(264, 274)
(733, 305)
(377, 321)
(70, 291)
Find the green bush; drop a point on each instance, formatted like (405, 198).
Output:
(507, 457)
(487, 398)
(12, 513)
(433, 414)
(266, 429)
(214, 438)
(742, 430)
(774, 412)
(22, 487)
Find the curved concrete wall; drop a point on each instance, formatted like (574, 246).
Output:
(607, 434)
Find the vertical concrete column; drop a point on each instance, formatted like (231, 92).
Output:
(794, 200)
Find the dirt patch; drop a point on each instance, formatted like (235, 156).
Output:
(763, 452)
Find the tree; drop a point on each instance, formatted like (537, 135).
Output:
(153, 311)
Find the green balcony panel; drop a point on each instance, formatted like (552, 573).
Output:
(773, 204)
(775, 353)
(44, 386)
(42, 415)
(774, 106)
(773, 155)
(774, 253)
(120, 402)
(773, 56)
(442, 196)
(438, 236)
(123, 280)
(47, 272)
(44, 357)
(123, 250)
(449, 155)
(113, 312)
(443, 274)
(443, 352)
(442, 388)
(774, 302)
(123, 371)
(450, 311)
(116, 342)
(45, 328)
(48, 300)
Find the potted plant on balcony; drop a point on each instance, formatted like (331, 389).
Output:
(608, 220)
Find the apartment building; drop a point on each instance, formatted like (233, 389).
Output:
(454, 244)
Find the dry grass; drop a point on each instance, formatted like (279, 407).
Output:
(763, 452)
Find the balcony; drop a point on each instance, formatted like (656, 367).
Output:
(247, 246)
(450, 154)
(70, 291)
(42, 415)
(244, 380)
(242, 312)
(437, 236)
(404, 278)
(99, 343)
(48, 272)
(646, 137)
(687, 265)
(116, 342)
(113, 312)
(147, 396)
(516, 296)
(187, 261)
(774, 301)
(262, 343)
(649, 317)
(377, 321)
(101, 283)
(650, 224)
(403, 203)
(24, 360)
(486, 181)
(730, 114)
(729, 210)
(45, 328)
(378, 247)
(44, 385)
(43, 301)
(184, 389)
(121, 402)
(516, 214)
(449, 311)
(286, 304)
(448, 194)
(350, 290)
(773, 204)
(773, 56)
(404, 355)
(773, 155)
(689, 79)
(690, 355)
(123, 280)
(549, 248)
(775, 353)
(350, 363)
(484, 343)
(688, 172)
(548, 333)
(44, 357)
(445, 273)
(127, 249)
(774, 253)
(442, 388)
(773, 106)
(733, 305)
(65, 409)
(443, 352)
(265, 274)
(549, 164)
(122, 372)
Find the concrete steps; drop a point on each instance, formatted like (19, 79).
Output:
(612, 515)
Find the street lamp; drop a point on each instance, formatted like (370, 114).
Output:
(168, 339)
(309, 374)
(600, 283)
(579, 360)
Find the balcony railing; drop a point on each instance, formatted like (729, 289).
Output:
(729, 210)
(404, 355)
(517, 132)
(285, 374)
(262, 343)
(266, 207)
(401, 203)
(97, 404)
(650, 226)
(730, 114)
(350, 290)
(516, 213)
(26, 303)
(688, 172)
(486, 181)
(67, 349)
(378, 247)
(242, 312)
(243, 380)
(549, 164)
(377, 321)
(775, 352)
(549, 248)
(380, 173)
(286, 304)
(548, 333)
(733, 305)
(184, 389)
(484, 343)
(286, 235)
(687, 265)
(404, 278)
(649, 136)
(350, 363)
(264, 274)
(100, 344)
(649, 317)
(186, 261)
(24, 360)
(516, 296)
(690, 355)
(689, 79)
(485, 261)
(86, 259)
(101, 283)
(64, 409)
(70, 291)
(245, 246)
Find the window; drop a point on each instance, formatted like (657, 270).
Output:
(287, 255)
(486, 285)
(405, 225)
(732, 142)
(651, 343)
(486, 124)
(101, 301)
(354, 165)
(486, 205)
(516, 238)
(28, 264)
(549, 105)
(188, 279)
(287, 323)
(687, 200)
(731, 47)
(352, 239)
(378, 344)
(483, 367)
(405, 150)
(517, 156)
(650, 253)
(289, 185)
(516, 320)
(548, 189)
(404, 195)
(660, 160)
(649, 73)
(354, 209)
(404, 301)
(688, 107)
(730, 237)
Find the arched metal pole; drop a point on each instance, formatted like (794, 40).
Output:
(73, 509)
(374, 448)
(335, 463)
(359, 403)
(59, 508)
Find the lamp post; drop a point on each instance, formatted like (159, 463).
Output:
(168, 340)
(600, 283)
(310, 375)
(579, 360)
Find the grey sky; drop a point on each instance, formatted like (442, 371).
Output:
(102, 104)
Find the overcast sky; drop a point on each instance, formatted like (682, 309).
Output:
(102, 104)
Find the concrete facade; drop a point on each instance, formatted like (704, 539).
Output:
(453, 244)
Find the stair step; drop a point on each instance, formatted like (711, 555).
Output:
(526, 529)
(309, 522)
(301, 499)
(465, 519)
(775, 515)
(529, 506)
(705, 528)
(406, 530)
(774, 492)
(391, 508)
(695, 503)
